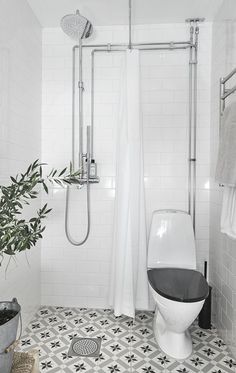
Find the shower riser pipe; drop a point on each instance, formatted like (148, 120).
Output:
(190, 122)
(194, 137)
(81, 88)
(73, 110)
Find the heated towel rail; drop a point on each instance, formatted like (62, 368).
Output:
(226, 92)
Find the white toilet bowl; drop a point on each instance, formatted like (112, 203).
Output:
(171, 322)
(178, 289)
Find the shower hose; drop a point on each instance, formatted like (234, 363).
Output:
(70, 239)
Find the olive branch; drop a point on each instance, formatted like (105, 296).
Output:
(16, 233)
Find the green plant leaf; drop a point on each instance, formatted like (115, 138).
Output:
(45, 187)
(62, 172)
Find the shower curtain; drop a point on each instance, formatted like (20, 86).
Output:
(129, 286)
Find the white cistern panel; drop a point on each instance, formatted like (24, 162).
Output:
(171, 240)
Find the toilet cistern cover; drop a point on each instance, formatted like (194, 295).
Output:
(178, 284)
(171, 240)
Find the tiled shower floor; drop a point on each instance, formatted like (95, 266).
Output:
(127, 346)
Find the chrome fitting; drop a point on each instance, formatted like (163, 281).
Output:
(193, 20)
(81, 85)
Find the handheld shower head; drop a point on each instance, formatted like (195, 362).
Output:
(76, 26)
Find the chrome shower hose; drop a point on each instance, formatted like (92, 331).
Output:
(70, 239)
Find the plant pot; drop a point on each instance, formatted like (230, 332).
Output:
(8, 333)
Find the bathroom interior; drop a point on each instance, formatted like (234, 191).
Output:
(137, 99)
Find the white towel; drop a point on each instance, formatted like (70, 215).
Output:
(228, 213)
(226, 163)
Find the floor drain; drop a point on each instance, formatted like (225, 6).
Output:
(85, 347)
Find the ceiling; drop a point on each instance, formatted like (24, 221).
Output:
(115, 12)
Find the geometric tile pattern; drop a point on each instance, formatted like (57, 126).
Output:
(127, 345)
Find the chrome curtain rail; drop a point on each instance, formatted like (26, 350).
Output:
(192, 45)
(92, 78)
(142, 49)
(171, 44)
(120, 49)
(161, 48)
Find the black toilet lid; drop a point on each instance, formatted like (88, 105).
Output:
(179, 284)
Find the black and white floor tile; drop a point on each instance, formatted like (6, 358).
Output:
(126, 345)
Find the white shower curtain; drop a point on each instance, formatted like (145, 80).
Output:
(129, 286)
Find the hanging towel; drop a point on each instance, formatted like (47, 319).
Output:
(228, 213)
(226, 163)
(226, 170)
(129, 285)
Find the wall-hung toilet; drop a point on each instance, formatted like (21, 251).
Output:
(179, 291)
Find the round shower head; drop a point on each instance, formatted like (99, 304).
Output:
(76, 26)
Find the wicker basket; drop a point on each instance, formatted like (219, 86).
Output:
(25, 362)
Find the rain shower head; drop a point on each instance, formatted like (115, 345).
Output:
(76, 26)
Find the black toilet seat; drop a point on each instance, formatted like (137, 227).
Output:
(179, 284)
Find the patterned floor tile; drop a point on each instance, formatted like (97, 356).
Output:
(127, 345)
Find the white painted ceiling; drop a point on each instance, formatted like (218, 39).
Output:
(115, 12)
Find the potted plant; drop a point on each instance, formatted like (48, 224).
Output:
(18, 234)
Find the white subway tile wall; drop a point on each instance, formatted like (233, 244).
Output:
(80, 276)
(20, 134)
(222, 249)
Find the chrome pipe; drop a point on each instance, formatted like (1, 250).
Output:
(130, 20)
(81, 160)
(92, 103)
(190, 122)
(88, 154)
(195, 127)
(125, 45)
(165, 43)
(80, 106)
(142, 49)
(73, 110)
(170, 48)
(93, 82)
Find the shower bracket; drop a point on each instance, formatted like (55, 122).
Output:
(81, 85)
(83, 180)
